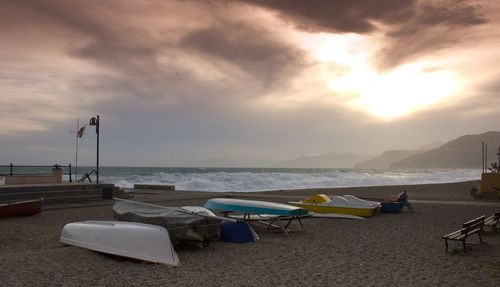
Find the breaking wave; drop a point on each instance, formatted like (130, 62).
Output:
(240, 179)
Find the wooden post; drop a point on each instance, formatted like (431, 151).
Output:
(482, 156)
(498, 162)
(70, 180)
(486, 157)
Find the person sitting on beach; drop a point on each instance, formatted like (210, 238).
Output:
(403, 200)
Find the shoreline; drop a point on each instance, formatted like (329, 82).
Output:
(453, 190)
(430, 191)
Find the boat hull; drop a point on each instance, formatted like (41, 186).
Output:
(128, 239)
(391, 207)
(253, 207)
(21, 208)
(323, 208)
(191, 225)
(337, 216)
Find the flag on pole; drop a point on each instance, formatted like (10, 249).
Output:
(80, 132)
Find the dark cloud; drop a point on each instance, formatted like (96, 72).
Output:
(434, 27)
(340, 16)
(412, 28)
(144, 61)
(101, 33)
(132, 59)
(46, 17)
(450, 13)
(251, 49)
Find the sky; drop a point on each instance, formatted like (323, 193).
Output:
(190, 83)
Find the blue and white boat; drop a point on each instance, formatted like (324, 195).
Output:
(270, 214)
(253, 207)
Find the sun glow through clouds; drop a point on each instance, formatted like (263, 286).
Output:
(396, 93)
(388, 94)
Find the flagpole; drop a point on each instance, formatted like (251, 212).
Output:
(94, 121)
(76, 150)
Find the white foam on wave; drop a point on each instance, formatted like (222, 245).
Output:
(260, 181)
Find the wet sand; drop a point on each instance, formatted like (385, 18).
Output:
(385, 250)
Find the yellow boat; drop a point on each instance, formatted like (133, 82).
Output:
(321, 203)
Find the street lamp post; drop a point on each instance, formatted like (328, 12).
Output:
(94, 121)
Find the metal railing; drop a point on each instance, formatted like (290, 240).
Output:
(11, 167)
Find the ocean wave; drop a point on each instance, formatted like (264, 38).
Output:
(261, 180)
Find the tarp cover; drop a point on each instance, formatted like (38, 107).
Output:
(181, 226)
(237, 232)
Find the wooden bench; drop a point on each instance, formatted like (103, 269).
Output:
(469, 228)
(492, 221)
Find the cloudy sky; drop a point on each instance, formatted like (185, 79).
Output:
(183, 82)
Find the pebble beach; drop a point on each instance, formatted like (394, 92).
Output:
(386, 250)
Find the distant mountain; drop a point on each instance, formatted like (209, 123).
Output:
(432, 145)
(226, 163)
(329, 160)
(386, 159)
(463, 152)
(389, 157)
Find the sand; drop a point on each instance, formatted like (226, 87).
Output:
(386, 250)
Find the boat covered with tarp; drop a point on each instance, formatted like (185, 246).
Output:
(183, 225)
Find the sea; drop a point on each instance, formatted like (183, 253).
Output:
(261, 179)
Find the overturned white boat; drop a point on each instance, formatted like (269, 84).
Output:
(128, 239)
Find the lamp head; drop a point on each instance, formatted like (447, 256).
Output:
(93, 122)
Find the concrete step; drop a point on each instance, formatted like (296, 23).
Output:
(50, 187)
(119, 193)
(72, 199)
(167, 187)
(49, 194)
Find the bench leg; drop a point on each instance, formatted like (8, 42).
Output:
(446, 244)
(465, 246)
(480, 238)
